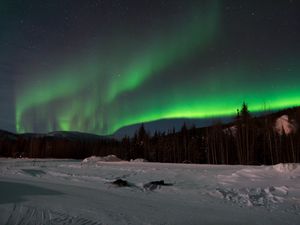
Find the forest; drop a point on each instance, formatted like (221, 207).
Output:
(247, 140)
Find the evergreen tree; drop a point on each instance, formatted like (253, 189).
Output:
(244, 135)
(245, 114)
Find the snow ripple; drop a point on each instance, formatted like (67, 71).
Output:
(22, 214)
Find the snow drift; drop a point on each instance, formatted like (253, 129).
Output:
(286, 167)
(97, 159)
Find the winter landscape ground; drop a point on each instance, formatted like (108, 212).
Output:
(45, 191)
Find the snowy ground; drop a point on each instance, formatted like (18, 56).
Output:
(70, 192)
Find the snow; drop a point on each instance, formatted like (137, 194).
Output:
(284, 125)
(263, 197)
(286, 167)
(50, 191)
(138, 160)
(97, 159)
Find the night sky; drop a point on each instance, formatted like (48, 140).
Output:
(98, 65)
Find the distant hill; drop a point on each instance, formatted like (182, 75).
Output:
(58, 144)
(166, 125)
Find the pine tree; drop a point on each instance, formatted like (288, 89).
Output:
(244, 135)
(245, 114)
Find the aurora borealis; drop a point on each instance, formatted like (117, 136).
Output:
(97, 66)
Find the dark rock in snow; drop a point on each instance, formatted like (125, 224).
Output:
(121, 183)
(156, 184)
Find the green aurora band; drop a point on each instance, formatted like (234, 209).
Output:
(101, 93)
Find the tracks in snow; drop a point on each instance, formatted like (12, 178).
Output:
(29, 215)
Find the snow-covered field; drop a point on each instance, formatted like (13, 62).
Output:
(39, 191)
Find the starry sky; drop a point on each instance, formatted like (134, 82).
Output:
(99, 65)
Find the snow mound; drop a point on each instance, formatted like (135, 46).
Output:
(96, 159)
(285, 126)
(285, 167)
(138, 160)
(253, 197)
(111, 158)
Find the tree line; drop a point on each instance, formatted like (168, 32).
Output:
(247, 140)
